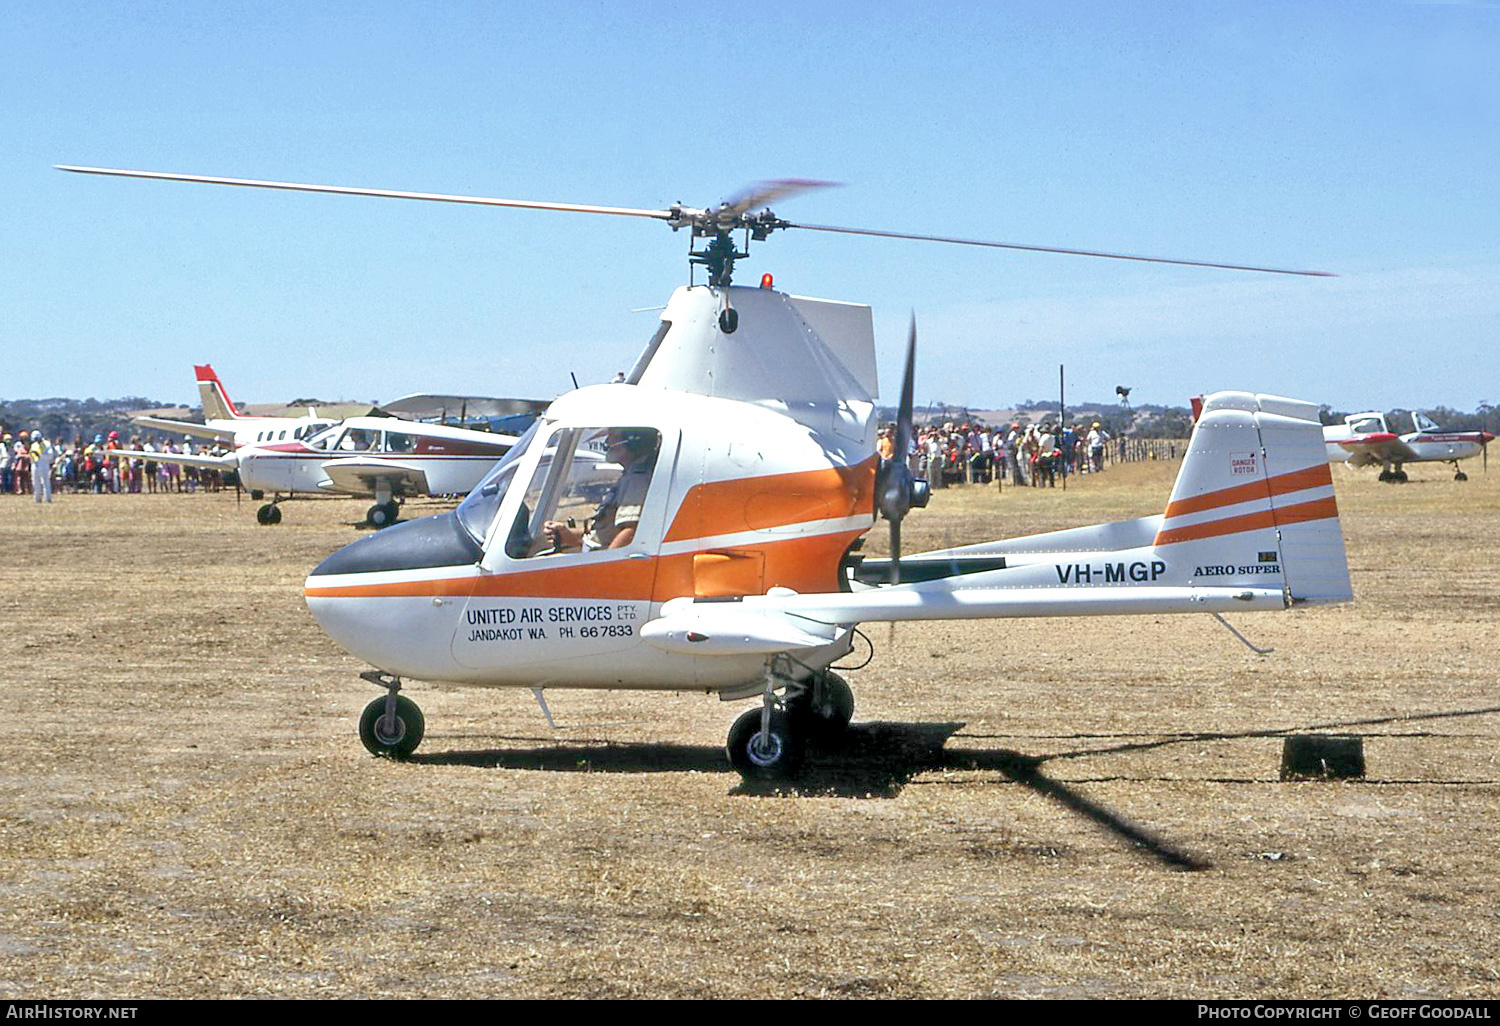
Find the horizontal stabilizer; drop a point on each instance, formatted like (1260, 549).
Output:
(184, 427)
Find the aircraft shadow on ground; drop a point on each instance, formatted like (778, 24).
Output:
(872, 760)
(1197, 737)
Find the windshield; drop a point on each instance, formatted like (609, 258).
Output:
(323, 439)
(477, 511)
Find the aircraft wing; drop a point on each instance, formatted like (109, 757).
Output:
(425, 405)
(359, 475)
(1376, 448)
(184, 427)
(784, 621)
(226, 462)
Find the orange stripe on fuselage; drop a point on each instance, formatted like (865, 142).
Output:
(806, 564)
(1282, 484)
(714, 508)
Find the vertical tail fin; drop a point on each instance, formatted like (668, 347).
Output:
(216, 402)
(1254, 500)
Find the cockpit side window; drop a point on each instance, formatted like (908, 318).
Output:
(359, 440)
(588, 492)
(396, 441)
(1367, 426)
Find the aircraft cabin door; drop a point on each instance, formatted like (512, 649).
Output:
(570, 569)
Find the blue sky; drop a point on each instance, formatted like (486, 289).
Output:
(1360, 138)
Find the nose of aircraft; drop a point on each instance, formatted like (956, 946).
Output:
(433, 541)
(364, 604)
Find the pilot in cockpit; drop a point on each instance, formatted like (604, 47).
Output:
(613, 525)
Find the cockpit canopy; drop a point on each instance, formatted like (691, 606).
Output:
(343, 439)
(586, 492)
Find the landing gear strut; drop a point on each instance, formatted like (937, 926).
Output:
(393, 725)
(770, 743)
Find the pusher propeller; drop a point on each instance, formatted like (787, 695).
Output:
(897, 488)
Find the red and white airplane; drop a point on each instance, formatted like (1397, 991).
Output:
(223, 422)
(1365, 439)
(382, 457)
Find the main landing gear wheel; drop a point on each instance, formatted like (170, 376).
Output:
(826, 711)
(1459, 475)
(772, 755)
(396, 740)
(268, 514)
(383, 514)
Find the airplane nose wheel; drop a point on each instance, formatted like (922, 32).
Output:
(268, 514)
(393, 725)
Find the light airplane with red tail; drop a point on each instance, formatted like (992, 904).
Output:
(742, 475)
(223, 422)
(380, 457)
(1365, 439)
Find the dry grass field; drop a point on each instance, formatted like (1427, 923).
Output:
(1073, 808)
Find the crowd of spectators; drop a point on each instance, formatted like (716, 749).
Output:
(974, 453)
(31, 464)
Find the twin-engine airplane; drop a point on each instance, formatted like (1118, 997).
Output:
(741, 470)
(382, 457)
(223, 422)
(1365, 439)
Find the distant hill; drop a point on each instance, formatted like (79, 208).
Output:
(72, 419)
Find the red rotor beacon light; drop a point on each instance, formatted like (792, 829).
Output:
(766, 280)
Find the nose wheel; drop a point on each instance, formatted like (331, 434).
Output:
(391, 726)
(268, 514)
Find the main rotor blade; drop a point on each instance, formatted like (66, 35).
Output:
(1055, 249)
(435, 197)
(763, 194)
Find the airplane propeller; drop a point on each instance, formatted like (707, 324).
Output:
(897, 489)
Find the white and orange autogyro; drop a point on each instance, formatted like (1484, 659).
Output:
(695, 527)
